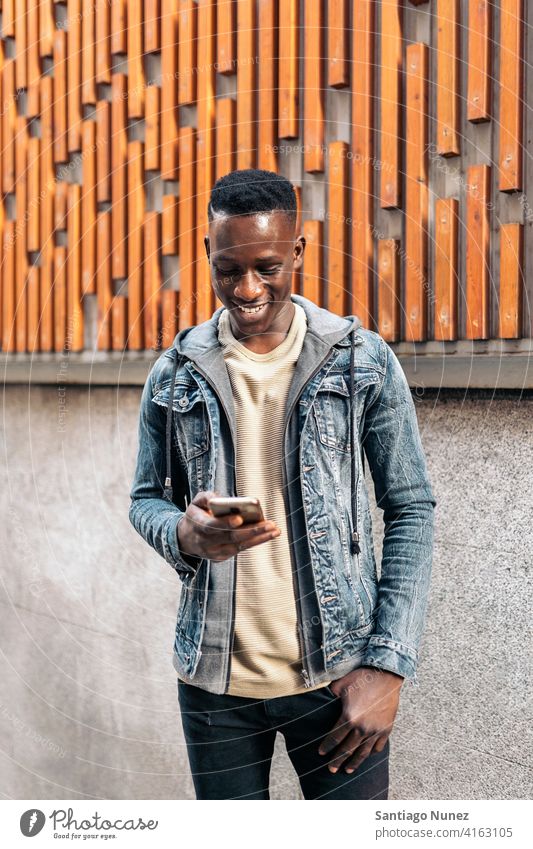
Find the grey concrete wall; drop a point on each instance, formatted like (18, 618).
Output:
(88, 704)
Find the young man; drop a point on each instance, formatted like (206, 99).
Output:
(283, 624)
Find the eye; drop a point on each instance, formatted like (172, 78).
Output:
(269, 271)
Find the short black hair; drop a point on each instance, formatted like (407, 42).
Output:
(251, 190)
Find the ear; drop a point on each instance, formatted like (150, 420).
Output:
(298, 252)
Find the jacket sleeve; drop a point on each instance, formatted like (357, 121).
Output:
(154, 517)
(392, 445)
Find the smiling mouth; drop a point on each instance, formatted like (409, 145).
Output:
(252, 310)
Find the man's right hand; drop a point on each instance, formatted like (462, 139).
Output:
(219, 538)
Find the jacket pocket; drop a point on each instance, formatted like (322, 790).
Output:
(191, 421)
(332, 407)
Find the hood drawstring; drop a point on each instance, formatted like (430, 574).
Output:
(167, 492)
(355, 535)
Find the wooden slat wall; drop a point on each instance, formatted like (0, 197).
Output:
(91, 130)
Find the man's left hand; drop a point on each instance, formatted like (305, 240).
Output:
(370, 699)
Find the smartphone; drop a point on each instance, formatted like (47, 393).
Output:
(249, 508)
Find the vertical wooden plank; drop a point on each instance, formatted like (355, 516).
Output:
(32, 228)
(88, 80)
(511, 281)
(32, 286)
(289, 36)
(46, 27)
(169, 90)
(416, 193)
(60, 96)
(21, 43)
(390, 103)
(103, 41)
(297, 272)
(119, 26)
(169, 317)
(479, 60)
(337, 230)
(60, 206)
(338, 44)
(119, 323)
(448, 45)
(135, 245)
(477, 252)
(153, 114)
(246, 85)
(9, 120)
(389, 297)
(8, 18)
(74, 332)
(88, 209)
(205, 151)
(136, 83)
(21, 270)
(313, 125)
(511, 95)
(8, 287)
(267, 84)
(226, 20)
(169, 225)
(226, 136)
(313, 275)
(49, 188)
(60, 297)
(103, 152)
(74, 75)
(152, 20)
(362, 163)
(187, 223)
(104, 287)
(33, 62)
(187, 59)
(119, 185)
(446, 268)
(152, 279)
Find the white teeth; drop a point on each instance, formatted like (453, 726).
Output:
(252, 309)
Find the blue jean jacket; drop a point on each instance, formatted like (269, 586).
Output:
(348, 399)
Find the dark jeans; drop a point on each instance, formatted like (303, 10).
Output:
(230, 742)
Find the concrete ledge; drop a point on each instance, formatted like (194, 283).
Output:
(494, 364)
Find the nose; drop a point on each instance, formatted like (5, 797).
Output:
(248, 288)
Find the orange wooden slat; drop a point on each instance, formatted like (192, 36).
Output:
(511, 281)
(119, 181)
(119, 322)
(32, 229)
(136, 84)
(8, 287)
(313, 125)
(60, 96)
(289, 36)
(338, 43)
(152, 21)
(74, 331)
(46, 27)
(226, 20)
(9, 121)
(8, 18)
(297, 272)
(119, 26)
(88, 76)
(103, 152)
(49, 189)
(21, 269)
(337, 229)
(135, 245)
(103, 42)
(60, 205)
(88, 209)
(511, 94)
(21, 43)
(416, 192)
(152, 119)
(169, 316)
(187, 225)
(362, 163)
(390, 102)
(169, 90)
(169, 225)
(477, 251)
(187, 59)
(60, 297)
(152, 279)
(74, 76)
(446, 268)
(33, 61)
(389, 298)
(479, 60)
(246, 85)
(313, 270)
(104, 286)
(267, 81)
(448, 81)
(205, 151)
(226, 136)
(32, 286)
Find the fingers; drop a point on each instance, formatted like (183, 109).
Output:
(371, 745)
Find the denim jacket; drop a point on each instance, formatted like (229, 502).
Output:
(348, 398)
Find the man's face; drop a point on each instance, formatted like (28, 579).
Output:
(252, 258)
